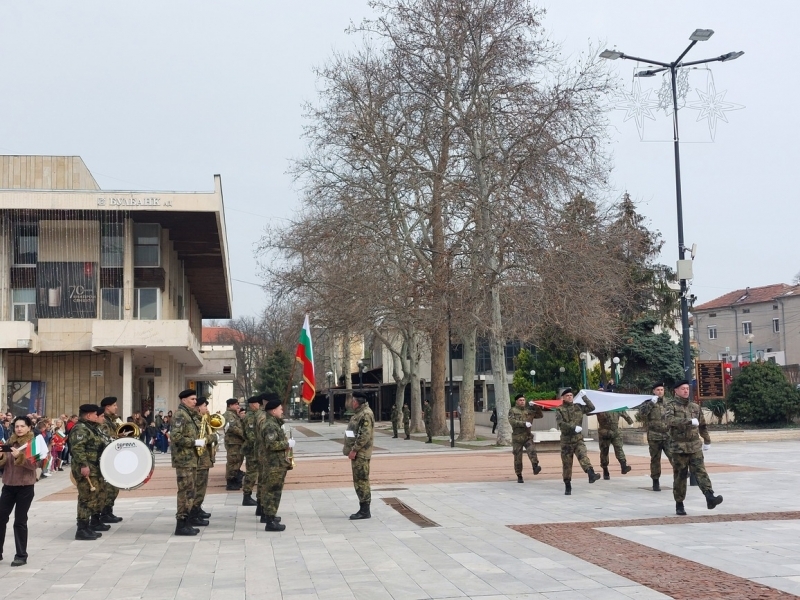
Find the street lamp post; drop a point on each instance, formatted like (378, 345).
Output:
(750, 338)
(616, 369)
(329, 375)
(561, 370)
(361, 369)
(533, 378)
(699, 35)
(584, 356)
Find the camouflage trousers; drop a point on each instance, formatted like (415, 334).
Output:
(360, 468)
(187, 484)
(200, 487)
(567, 452)
(429, 429)
(272, 485)
(110, 493)
(234, 461)
(605, 443)
(395, 427)
(407, 428)
(656, 447)
(251, 476)
(90, 502)
(681, 463)
(262, 474)
(518, 446)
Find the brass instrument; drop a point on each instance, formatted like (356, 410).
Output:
(202, 435)
(290, 453)
(130, 430)
(216, 422)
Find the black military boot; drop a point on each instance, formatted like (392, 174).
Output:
(711, 500)
(233, 485)
(592, 475)
(273, 525)
(430, 441)
(408, 437)
(537, 469)
(97, 525)
(394, 436)
(624, 467)
(202, 513)
(363, 512)
(519, 478)
(679, 510)
(656, 485)
(108, 516)
(247, 500)
(606, 474)
(264, 519)
(567, 488)
(84, 532)
(240, 476)
(259, 511)
(183, 528)
(195, 519)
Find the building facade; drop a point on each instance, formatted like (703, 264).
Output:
(104, 292)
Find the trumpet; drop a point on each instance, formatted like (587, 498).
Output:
(290, 453)
(130, 430)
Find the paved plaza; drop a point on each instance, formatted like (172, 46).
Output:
(440, 539)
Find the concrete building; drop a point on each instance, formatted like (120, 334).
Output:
(768, 317)
(104, 292)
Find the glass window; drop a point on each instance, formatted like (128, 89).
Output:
(747, 328)
(26, 244)
(146, 245)
(483, 360)
(112, 304)
(712, 333)
(112, 245)
(24, 304)
(776, 325)
(456, 351)
(146, 306)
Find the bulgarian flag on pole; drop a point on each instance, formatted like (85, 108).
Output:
(305, 356)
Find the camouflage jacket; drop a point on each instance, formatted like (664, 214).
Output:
(569, 416)
(684, 438)
(234, 429)
(183, 432)
(406, 414)
(86, 444)
(651, 415)
(427, 414)
(249, 430)
(361, 424)
(273, 442)
(109, 425)
(259, 421)
(608, 423)
(205, 460)
(517, 417)
(396, 415)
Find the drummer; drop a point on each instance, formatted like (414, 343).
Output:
(108, 425)
(86, 444)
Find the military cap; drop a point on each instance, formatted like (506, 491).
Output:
(657, 384)
(360, 395)
(518, 396)
(680, 383)
(85, 409)
(187, 394)
(231, 401)
(273, 402)
(201, 400)
(255, 399)
(566, 390)
(108, 401)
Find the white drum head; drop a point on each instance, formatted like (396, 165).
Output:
(127, 463)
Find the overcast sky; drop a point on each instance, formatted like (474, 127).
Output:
(162, 95)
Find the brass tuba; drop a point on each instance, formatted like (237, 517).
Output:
(130, 430)
(216, 422)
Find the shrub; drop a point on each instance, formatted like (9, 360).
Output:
(761, 394)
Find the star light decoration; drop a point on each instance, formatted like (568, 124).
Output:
(638, 105)
(712, 105)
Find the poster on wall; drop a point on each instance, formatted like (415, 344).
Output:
(27, 397)
(66, 290)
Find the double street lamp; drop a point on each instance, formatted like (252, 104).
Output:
(750, 338)
(584, 357)
(533, 378)
(615, 360)
(561, 370)
(700, 35)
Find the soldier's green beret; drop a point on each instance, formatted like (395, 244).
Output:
(86, 409)
(231, 401)
(273, 403)
(518, 396)
(657, 384)
(201, 400)
(566, 390)
(186, 394)
(680, 383)
(108, 401)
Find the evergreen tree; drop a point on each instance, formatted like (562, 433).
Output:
(649, 357)
(273, 375)
(761, 395)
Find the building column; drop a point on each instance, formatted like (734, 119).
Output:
(127, 383)
(127, 272)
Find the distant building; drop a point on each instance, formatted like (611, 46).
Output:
(103, 293)
(767, 316)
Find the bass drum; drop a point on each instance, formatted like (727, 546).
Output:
(127, 463)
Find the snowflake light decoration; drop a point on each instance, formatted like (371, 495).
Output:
(638, 106)
(665, 91)
(712, 106)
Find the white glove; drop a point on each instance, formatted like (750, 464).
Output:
(531, 403)
(291, 443)
(654, 399)
(527, 424)
(695, 422)
(578, 428)
(706, 447)
(199, 443)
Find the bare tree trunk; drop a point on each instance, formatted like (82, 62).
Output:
(417, 422)
(438, 368)
(348, 379)
(497, 343)
(467, 408)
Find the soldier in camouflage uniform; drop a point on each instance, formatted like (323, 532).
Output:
(249, 450)
(609, 435)
(396, 414)
(273, 444)
(407, 421)
(427, 415)
(205, 461)
(358, 448)
(651, 414)
(686, 426)
(234, 439)
(186, 443)
(569, 417)
(259, 420)
(108, 425)
(86, 444)
(521, 419)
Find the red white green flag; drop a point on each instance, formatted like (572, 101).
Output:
(305, 356)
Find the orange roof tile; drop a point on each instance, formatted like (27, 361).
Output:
(220, 335)
(754, 295)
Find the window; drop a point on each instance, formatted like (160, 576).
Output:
(26, 244)
(483, 360)
(776, 325)
(456, 351)
(146, 247)
(111, 308)
(747, 328)
(24, 304)
(145, 306)
(112, 246)
(774, 307)
(746, 311)
(712, 333)
(712, 315)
